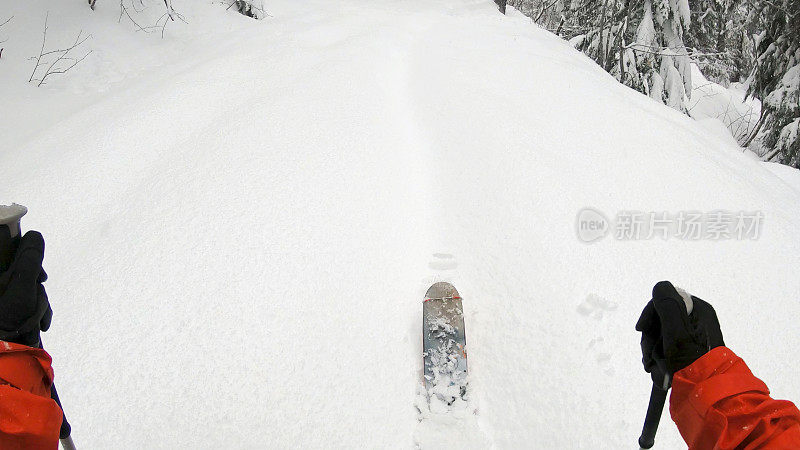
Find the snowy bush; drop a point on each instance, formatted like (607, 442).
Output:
(729, 105)
(249, 8)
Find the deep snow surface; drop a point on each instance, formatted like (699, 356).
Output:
(242, 219)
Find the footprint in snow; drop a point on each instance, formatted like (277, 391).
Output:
(443, 261)
(595, 306)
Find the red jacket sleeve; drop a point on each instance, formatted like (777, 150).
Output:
(29, 418)
(717, 403)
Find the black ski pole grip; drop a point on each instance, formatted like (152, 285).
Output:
(658, 397)
(10, 236)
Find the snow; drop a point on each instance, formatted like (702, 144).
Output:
(790, 175)
(242, 219)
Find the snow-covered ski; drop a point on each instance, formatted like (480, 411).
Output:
(444, 344)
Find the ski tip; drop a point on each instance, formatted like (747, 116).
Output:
(441, 289)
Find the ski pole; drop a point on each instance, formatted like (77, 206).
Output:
(658, 396)
(10, 236)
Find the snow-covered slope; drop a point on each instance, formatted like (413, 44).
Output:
(241, 226)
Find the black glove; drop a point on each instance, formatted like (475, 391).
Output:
(24, 308)
(671, 338)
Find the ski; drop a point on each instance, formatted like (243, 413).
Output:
(444, 344)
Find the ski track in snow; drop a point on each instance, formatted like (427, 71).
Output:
(239, 240)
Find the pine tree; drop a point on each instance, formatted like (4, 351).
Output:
(718, 32)
(640, 42)
(776, 77)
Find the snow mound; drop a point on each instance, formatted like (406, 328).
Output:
(711, 102)
(790, 175)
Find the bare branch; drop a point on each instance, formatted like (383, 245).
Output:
(124, 10)
(544, 8)
(161, 23)
(65, 69)
(62, 62)
(41, 52)
(757, 128)
(53, 69)
(1, 25)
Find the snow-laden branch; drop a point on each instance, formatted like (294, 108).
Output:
(673, 51)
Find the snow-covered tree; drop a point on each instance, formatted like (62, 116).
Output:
(640, 42)
(719, 33)
(650, 45)
(776, 77)
(662, 58)
(549, 14)
(602, 26)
